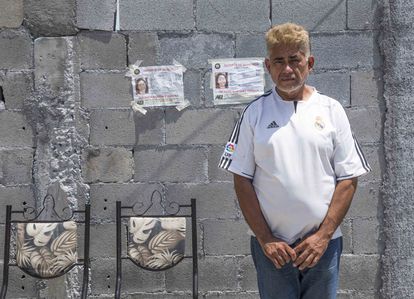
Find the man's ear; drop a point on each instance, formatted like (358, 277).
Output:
(267, 64)
(311, 62)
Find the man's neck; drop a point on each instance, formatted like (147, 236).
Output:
(302, 94)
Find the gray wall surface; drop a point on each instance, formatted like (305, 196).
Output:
(65, 117)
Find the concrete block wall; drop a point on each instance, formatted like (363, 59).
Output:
(125, 156)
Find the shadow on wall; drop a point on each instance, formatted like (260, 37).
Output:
(189, 140)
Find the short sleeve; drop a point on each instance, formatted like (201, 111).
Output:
(238, 154)
(349, 160)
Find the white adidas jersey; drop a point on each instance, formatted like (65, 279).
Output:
(294, 152)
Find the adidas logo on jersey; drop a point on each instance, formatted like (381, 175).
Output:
(272, 125)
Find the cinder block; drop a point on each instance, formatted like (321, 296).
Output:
(366, 89)
(366, 295)
(53, 60)
(61, 287)
(17, 86)
(366, 123)
(366, 236)
(143, 46)
(344, 295)
(251, 45)
(103, 90)
(171, 165)
(112, 127)
(16, 166)
(366, 202)
(107, 165)
(222, 237)
(344, 50)
(192, 87)
(179, 278)
(11, 14)
(104, 197)
(232, 16)
(346, 228)
(16, 50)
(194, 51)
(218, 274)
(319, 15)
(374, 154)
(102, 50)
(103, 275)
(103, 240)
(248, 277)
(156, 15)
(207, 94)
(123, 127)
(19, 197)
(359, 272)
(50, 17)
(207, 126)
(214, 200)
(20, 284)
(95, 14)
(334, 85)
(150, 128)
(139, 280)
(214, 172)
(15, 130)
(364, 14)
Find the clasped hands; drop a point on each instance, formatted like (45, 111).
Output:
(304, 255)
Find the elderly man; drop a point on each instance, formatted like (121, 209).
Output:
(295, 164)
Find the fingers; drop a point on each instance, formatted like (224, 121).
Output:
(291, 252)
(307, 259)
(272, 256)
(279, 255)
(278, 260)
(314, 262)
(307, 262)
(301, 258)
(300, 247)
(285, 256)
(309, 252)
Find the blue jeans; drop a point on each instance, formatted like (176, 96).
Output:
(319, 282)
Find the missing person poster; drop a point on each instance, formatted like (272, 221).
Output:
(158, 86)
(237, 81)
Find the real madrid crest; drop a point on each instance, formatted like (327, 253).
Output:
(319, 124)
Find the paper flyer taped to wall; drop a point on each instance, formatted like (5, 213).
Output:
(237, 81)
(157, 86)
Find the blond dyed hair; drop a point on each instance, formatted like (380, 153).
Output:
(288, 34)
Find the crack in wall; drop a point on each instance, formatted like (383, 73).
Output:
(51, 111)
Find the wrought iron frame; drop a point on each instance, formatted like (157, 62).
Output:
(141, 211)
(85, 262)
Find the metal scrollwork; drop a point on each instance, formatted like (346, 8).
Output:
(168, 208)
(48, 211)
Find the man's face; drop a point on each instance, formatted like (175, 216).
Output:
(288, 68)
